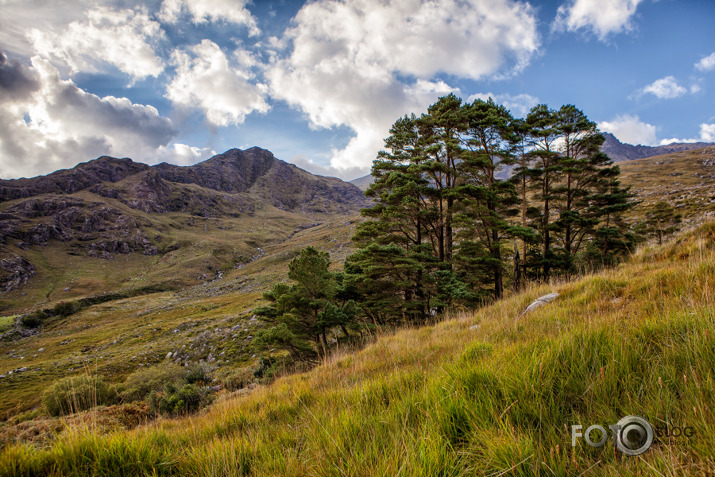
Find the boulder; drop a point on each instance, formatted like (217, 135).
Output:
(542, 300)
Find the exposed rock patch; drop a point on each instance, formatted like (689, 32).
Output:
(15, 272)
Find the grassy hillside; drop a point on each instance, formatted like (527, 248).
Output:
(210, 321)
(685, 180)
(489, 393)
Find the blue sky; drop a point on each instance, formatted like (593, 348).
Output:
(319, 83)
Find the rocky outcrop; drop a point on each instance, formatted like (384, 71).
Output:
(68, 181)
(233, 171)
(107, 248)
(15, 272)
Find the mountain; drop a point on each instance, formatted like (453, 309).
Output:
(619, 151)
(165, 223)
(363, 182)
(212, 266)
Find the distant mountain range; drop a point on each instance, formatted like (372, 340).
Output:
(619, 151)
(182, 224)
(232, 183)
(615, 149)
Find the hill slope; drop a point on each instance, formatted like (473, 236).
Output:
(685, 180)
(489, 393)
(113, 224)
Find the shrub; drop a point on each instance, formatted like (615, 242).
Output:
(199, 373)
(173, 400)
(237, 379)
(77, 393)
(66, 308)
(142, 382)
(34, 319)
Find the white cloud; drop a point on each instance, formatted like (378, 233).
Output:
(205, 80)
(47, 123)
(631, 130)
(602, 17)
(201, 11)
(182, 154)
(20, 16)
(124, 38)
(364, 63)
(707, 134)
(707, 63)
(665, 88)
(329, 171)
(519, 104)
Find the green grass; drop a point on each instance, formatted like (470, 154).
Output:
(114, 338)
(457, 399)
(6, 323)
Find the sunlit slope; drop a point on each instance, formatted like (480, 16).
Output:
(686, 180)
(483, 394)
(210, 322)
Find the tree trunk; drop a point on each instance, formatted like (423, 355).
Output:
(517, 269)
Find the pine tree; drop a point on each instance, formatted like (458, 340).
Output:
(582, 169)
(660, 221)
(543, 138)
(300, 315)
(488, 202)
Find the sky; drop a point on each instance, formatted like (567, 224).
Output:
(319, 83)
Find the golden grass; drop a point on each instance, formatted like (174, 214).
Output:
(477, 394)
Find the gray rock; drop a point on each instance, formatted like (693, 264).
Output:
(543, 300)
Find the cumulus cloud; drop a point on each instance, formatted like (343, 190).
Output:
(631, 130)
(206, 80)
(519, 104)
(16, 80)
(707, 63)
(182, 154)
(665, 88)
(707, 134)
(123, 38)
(601, 17)
(201, 11)
(364, 63)
(51, 123)
(328, 171)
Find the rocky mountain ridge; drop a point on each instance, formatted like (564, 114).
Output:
(619, 151)
(109, 207)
